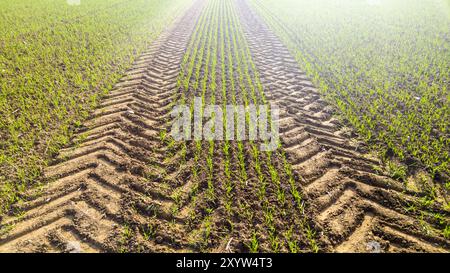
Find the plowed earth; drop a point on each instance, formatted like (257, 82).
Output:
(123, 185)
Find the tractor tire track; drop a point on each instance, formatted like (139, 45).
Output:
(112, 189)
(99, 187)
(357, 209)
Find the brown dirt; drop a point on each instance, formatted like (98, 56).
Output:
(95, 182)
(354, 205)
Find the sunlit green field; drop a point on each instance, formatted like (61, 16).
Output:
(55, 61)
(93, 94)
(385, 64)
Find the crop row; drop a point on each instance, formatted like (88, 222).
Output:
(56, 60)
(254, 193)
(386, 67)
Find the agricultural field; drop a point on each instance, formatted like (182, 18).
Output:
(385, 65)
(343, 106)
(56, 61)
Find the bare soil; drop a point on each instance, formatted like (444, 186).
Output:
(115, 187)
